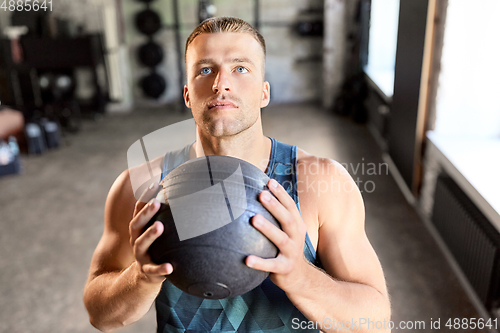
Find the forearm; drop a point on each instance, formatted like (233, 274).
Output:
(324, 300)
(119, 298)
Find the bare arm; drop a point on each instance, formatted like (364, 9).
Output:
(123, 282)
(352, 286)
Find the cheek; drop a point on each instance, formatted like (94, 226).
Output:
(250, 90)
(258, 96)
(201, 89)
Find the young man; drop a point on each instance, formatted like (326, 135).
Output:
(226, 90)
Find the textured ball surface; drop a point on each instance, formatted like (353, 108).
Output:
(208, 233)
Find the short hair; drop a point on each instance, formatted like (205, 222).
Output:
(225, 24)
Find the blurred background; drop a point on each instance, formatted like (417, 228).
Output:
(403, 93)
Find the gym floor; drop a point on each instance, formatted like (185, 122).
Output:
(52, 219)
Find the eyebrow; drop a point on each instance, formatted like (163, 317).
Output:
(247, 60)
(208, 61)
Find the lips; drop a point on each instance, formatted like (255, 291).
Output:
(221, 105)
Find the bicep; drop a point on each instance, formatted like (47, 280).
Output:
(343, 247)
(114, 252)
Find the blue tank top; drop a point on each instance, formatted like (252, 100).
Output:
(265, 308)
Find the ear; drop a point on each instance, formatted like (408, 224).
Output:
(186, 97)
(266, 95)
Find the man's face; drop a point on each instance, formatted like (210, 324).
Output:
(225, 88)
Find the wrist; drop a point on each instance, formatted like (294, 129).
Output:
(299, 278)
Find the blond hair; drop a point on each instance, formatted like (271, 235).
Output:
(225, 24)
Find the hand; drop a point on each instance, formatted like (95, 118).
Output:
(287, 268)
(141, 241)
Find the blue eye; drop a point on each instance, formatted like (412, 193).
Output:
(241, 69)
(206, 70)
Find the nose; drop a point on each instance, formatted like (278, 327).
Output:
(221, 82)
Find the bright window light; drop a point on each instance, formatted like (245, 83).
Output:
(468, 103)
(382, 42)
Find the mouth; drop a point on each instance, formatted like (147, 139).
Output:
(221, 105)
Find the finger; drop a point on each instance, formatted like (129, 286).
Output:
(273, 233)
(267, 265)
(281, 213)
(153, 269)
(283, 197)
(273, 206)
(136, 226)
(149, 193)
(144, 241)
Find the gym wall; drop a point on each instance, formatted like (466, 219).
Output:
(294, 63)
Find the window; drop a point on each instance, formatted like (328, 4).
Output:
(382, 42)
(469, 83)
(467, 127)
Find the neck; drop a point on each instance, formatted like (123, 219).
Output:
(250, 145)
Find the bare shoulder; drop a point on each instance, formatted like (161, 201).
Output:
(331, 205)
(334, 197)
(126, 191)
(114, 253)
(319, 166)
(328, 187)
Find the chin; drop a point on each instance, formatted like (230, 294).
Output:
(227, 124)
(224, 128)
